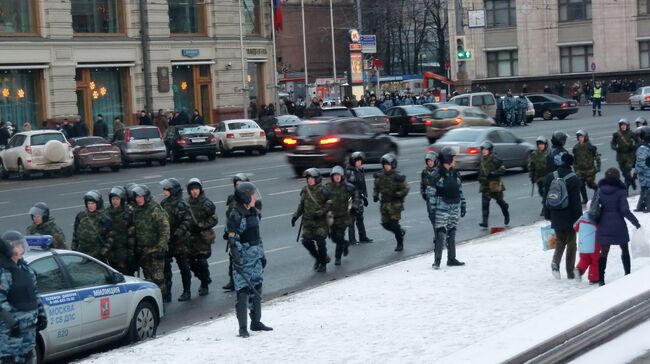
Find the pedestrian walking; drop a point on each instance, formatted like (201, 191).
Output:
(587, 163)
(356, 175)
(44, 224)
(122, 233)
(624, 143)
(230, 205)
(447, 203)
(537, 164)
(642, 169)
(588, 248)
(340, 195)
(204, 220)
(611, 224)
(491, 186)
(161, 121)
(21, 310)
(118, 130)
(91, 228)
(563, 208)
(596, 99)
(499, 119)
(315, 226)
(391, 189)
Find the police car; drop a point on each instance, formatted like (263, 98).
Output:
(88, 303)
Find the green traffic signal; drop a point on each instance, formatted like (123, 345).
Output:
(464, 54)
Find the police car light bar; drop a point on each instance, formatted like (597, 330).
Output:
(39, 241)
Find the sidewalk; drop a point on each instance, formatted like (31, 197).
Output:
(402, 313)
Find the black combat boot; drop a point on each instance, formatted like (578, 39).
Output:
(399, 236)
(229, 287)
(351, 234)
(451, 250)
(240, 309)
(363, 236)
(626, 263)
(485, 212)
(256, 312)
(438, 244)
(322, 268)
(504, 209)
(203, 290)
(185, 296)
(583, 193)
(167, 297)
(602, 264)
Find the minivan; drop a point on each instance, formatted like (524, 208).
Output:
(482, 100)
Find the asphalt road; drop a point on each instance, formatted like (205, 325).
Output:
(290, 267)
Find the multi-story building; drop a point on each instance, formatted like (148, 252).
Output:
(87, 57)
(550, 41)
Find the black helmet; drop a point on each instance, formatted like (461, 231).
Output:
(623, 121)
(559, 138)
(446, 155)
(356, 156)
(641, 121)
(644, 133)
(542, 140)
(129, 190)
(240, 177)
(194, 182)
(11, 239)
(312, 172)
(244, 191)
(389, 158)
(583, 133)
(431, 156)
(117, 191)
(40, 209)
(487, 145)
(337, 170)
(95, 197)
(142, 190)
(172, 185)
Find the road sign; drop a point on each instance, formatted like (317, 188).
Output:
(593, 66)
(368, 43)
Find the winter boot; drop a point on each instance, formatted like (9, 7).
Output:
(578, 274)
(185, 296)
(337, 261)
(322, 268)
(229, 287)
(316, 264)
(602, 264)
(626, 263)
(240, 309)
(504, 209)
(399, 236)
(485, 212)
(259, 326)
(436, 264)
(351, 235)
(203, 290)
(455, 263)
(555, 270)
(363, 236)
(583, 193)
(346, 248)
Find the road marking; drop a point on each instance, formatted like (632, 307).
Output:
(522, 198)
(56, 209)
(598, 144)
(49, 185)
(230, 184)
(227, 260)
(283, 192)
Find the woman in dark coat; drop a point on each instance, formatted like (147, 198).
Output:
(612, 229)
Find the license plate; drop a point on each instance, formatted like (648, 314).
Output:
(198, 140)
(247, 135)
(305, 147)
(99, 157)
(146, 146)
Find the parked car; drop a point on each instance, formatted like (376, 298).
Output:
(408, 119)
(549, 106)
(374, 116)
(336, 111)
(433, 106)
(190, 141)
(453, 117)
(482, 100)
(512, 150)
(240, 134)
(89, 304)
(530, 111)
(279, 127)
(326, 142)
(94, 153)
(36, 151)
(640, 98)
(142, 144)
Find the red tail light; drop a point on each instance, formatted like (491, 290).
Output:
(262, 133)
(564, 105)
(647, 98)
(472, 150)
(413, 119)
(327, 141)
(28, 149)
(289, 141)
(230, 136)
(427, 122)
(458, 120)
(127, 135)
(181, 141)
(277, 130)
(213, 140)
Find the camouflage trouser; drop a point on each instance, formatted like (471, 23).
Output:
(153, 266)
(123, 261)
(337, 233)
(391, 211)
(313, 239)
(485, 205)
(625, 164)
(251, 261)
(587, 179)
(18, 349)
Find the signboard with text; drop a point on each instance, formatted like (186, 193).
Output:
(368, 43)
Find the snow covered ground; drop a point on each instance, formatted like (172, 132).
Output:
(402, 313)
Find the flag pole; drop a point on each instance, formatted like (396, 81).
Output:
(333, 47)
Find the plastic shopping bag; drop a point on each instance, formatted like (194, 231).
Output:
(640, 247)
(548, 238)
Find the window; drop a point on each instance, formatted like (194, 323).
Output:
(644, 54)
(21, 98)
(103, 90)
(445, 114)
(192, 89)
(507, 137)
(502, 64)
(16, 141)
(18, 16)
(571, 10)
(494, 137)
(576, 59)
(42, 139)
(644, 7)
(186, 16)
(500, 13)
(49, 277)
(252, 16)
(96, 16)
(84, 272)
(462, 101)
(477, 100)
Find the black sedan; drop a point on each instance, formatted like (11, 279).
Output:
(190, 141)
(278, 127)
(549, 106)
(326, 142)
(409, 119)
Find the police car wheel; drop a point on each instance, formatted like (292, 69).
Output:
(144, 322)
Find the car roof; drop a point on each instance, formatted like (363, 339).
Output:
(37, 132)
(334, 108)
(141, 127)
(458, 107)
(365, 107)
(331, 119)
(475, 93)
(34, 253)
(238, 121)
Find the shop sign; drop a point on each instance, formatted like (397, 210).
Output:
(191, 53)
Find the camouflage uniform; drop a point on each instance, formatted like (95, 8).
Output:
(49, 227)
(538, 169)
(425, 176)
(587, 164)
(122, 240)
(152, 239)
(204, 219)
(90, 234)
(314, 223)
(341, 196)
(510, 110)
(491, 187)
(357, 177)
(624, 143)
(642, 167)
(391, 189)
(180, 223)
(521, 104)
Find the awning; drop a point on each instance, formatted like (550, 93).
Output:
(190, 63)
(23, 67)
(93, 65)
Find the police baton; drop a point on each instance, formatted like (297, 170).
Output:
(299, 231)
(248, 282)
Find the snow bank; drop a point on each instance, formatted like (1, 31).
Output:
(402, 313)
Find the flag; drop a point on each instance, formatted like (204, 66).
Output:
(277, 14)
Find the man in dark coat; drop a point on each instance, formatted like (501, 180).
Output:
(144, 118)
(558, 140)
(197, 118)
(100, 129)
(562, 219)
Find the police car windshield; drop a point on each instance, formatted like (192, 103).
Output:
(461, 135)
(313, 129)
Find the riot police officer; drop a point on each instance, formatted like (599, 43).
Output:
(91, 228)
(587, 163)
(537, 164)
(230, 204)
(356, 175)
(430, 161)
(558, 140)
(642, 168)
(391, 189)
(624, 143)
(122, 233)
(340, 197)
(490, 171)
(44, 224)
(204, 219)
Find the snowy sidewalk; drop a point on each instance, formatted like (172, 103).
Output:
(402, 313)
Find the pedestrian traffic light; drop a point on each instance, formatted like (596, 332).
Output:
(462, 53)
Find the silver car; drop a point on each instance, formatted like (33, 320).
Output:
(374, 116)
(640, 98)
(142, 144)
(88, 304)
(467, 142)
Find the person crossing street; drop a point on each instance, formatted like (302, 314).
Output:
(624, 143)
(391, 189)
(356, 175)
(341, 196)
(491, 187)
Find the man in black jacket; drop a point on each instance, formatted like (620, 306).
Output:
(100, 129)
(563, 218)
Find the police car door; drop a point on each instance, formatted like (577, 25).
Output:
(62, 306)
(104, 304)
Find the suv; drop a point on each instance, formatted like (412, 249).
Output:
(142, 144)
(37, 151)
(482, 100)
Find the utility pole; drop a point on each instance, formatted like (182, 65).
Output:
(304, 48)
(333, 44)
(146, 60)
(359, 17)
(244, 88)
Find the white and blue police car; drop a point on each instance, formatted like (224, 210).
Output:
(88, 304)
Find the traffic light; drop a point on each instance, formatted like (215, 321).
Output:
(462, 53)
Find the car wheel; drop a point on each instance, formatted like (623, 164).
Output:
(529, 119)
(298, 171)
(547, 115)
(249, 151)
(222, 150)
(162, 162)
(22, 173)
(631, 107)
(4, 173)
(115, 168)
(192, 158)
(212, 156)
(402, 131)
(262, 151)
(144, 322)
(94, 169)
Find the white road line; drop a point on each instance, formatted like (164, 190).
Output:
(283, 192)
(47, 186)
(115, 183)
(4, 202)
(56, 209)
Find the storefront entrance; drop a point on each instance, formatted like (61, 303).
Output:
(192, 87)
(21, 97)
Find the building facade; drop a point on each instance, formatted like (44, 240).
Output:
(539, 42)
(82, 58)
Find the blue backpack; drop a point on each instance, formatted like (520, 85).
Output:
(557, 196)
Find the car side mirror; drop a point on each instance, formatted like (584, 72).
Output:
(115, 278)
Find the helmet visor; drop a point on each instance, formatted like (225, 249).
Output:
(37, 211)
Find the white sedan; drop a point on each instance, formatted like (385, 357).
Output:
(240, 134)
